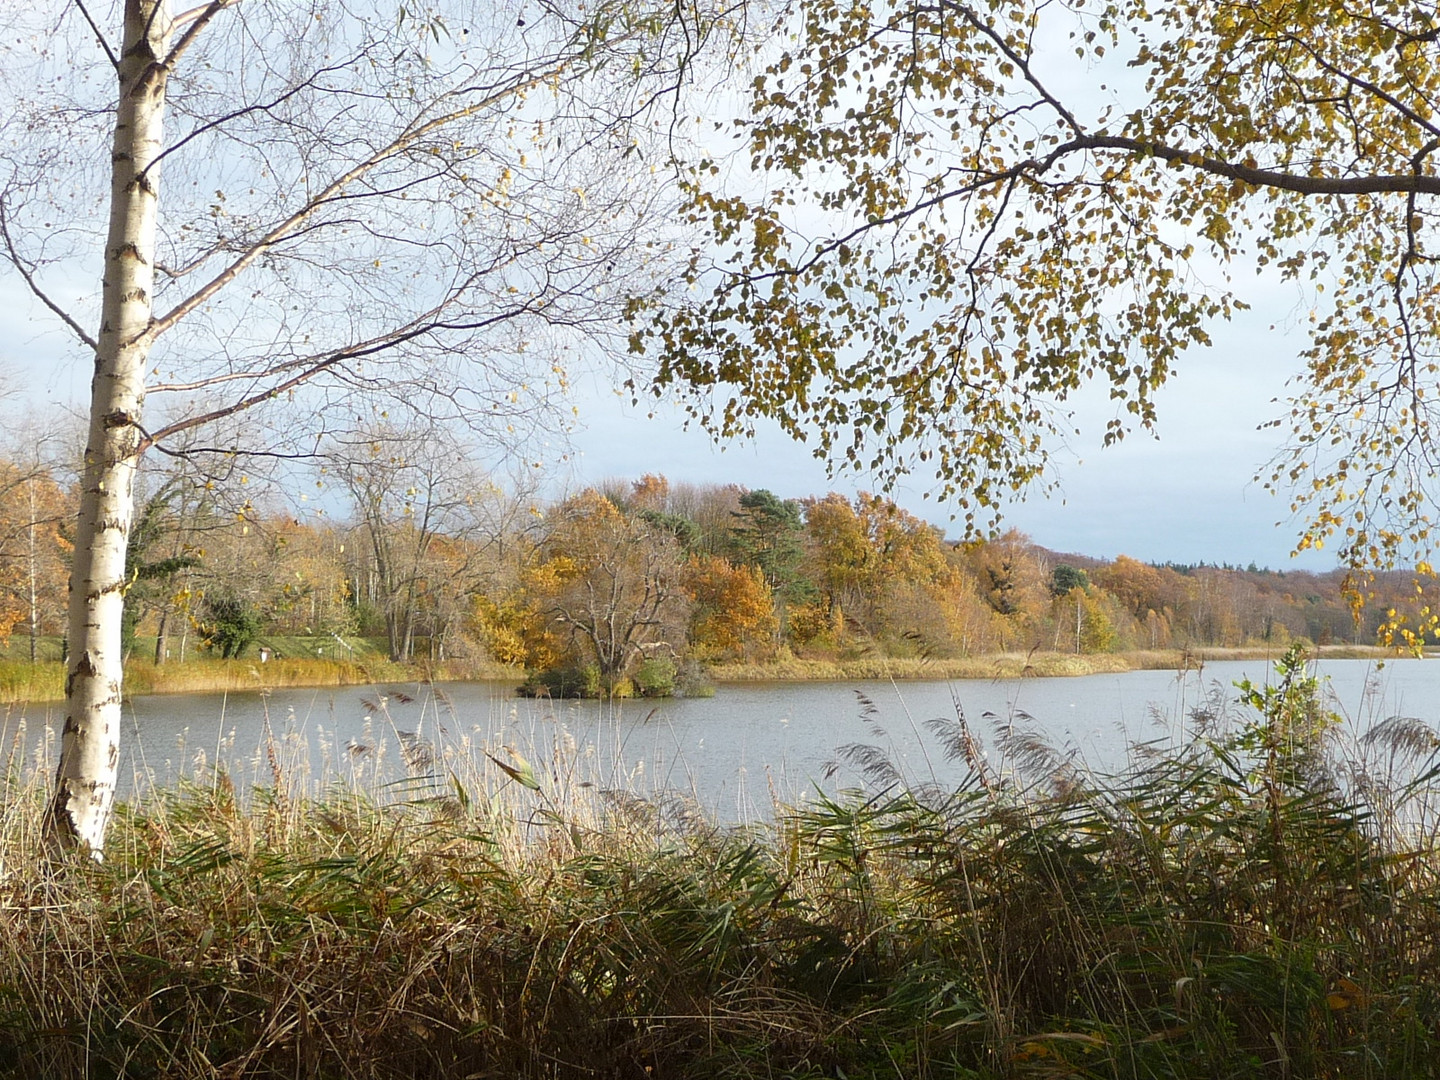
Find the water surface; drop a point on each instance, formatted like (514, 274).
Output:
(736, 752)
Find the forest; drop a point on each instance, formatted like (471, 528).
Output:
(623, 587)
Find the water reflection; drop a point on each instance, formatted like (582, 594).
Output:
(737, 752)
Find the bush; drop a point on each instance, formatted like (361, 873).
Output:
(569, 681)
(231, 625)
(655, 677)
(693, 681)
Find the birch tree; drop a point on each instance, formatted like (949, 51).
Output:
(959, 214)
(297, 203)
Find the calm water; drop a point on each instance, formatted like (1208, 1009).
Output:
(734, 751)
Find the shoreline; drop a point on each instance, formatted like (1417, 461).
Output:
(44, 681)
(1017, 665)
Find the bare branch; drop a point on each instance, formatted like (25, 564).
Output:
(519, 85)
(99, 37)
(195, 20)
(27, 274)
(429, 324)
(222, 120)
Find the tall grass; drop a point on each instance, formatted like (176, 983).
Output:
(22, 681)
(998, 666)
(1261, 902)
(1010, 665)
(197, 676)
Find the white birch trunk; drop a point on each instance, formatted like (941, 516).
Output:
(34, 594)
(90, 747)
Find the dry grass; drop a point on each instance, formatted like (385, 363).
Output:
(1262, 903)
(21, 681)
(998, 666)
(200, 676)
(1013, 665)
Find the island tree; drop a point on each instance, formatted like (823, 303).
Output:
(609, 587)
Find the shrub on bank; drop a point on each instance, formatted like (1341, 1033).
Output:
(657, 677)
(567, 681)
(1254, 904)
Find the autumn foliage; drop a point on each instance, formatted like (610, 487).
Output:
(650, 573)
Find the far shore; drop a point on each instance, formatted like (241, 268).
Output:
(44, 681)
(1018, 665)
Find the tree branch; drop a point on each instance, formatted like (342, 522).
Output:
(1015, 58)
(195, 20)
(233, 116)
(417, 328)
(1396, 184)
(524, 82)
(99, 37)
(27, 274)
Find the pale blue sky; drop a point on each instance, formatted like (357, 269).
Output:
(1186, 496)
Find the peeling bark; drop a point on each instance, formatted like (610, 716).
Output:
(90, 747)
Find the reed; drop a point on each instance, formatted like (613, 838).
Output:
(21, 681)
(1261, 902)
(1011, 665)
(996, 666)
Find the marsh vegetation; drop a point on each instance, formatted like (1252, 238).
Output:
(1259, 902)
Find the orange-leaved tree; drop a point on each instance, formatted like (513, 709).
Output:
(733, 612)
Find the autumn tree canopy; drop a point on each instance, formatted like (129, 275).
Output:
(966, 212)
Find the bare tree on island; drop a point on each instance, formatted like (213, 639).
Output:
(352, 200)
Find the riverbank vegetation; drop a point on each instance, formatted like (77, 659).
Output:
(597, 593)
(22, 681)
(1260, 902)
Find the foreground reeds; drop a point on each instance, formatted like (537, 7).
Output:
(1257, 903)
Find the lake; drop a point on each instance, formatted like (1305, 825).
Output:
(735, 752)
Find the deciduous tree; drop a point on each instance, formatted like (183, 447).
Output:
(962, 213)
(418, 500)
(733, 612)
(611, 585)
(35, 515)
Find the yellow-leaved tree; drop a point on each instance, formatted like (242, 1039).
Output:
(965, 212)
(733, 612)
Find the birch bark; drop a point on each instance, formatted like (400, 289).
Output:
(90, 745)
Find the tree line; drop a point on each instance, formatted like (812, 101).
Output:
(620, 585)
